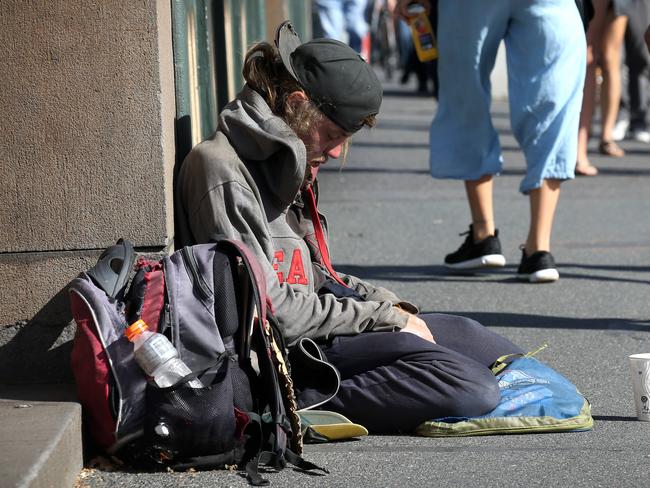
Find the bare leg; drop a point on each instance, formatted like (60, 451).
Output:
(479, 196)
(586, 115)
(594, 36)
(610, 62)
(543, 202)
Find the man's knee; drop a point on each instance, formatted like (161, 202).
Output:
(477, 396)
(461, 396)
(466, 390)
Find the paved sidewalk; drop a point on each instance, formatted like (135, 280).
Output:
(393, 224)
(40, 443)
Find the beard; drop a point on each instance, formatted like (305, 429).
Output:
(310, 176)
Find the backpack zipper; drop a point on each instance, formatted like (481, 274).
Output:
(192, 268)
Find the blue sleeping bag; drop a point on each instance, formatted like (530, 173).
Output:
(534, 398)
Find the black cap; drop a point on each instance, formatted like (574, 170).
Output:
(334, 76)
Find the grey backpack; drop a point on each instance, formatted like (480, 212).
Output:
(210, 301)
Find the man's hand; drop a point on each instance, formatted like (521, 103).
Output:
(416, 325)
(401, 7)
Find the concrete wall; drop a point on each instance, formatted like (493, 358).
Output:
(86, 153)
(87, 144)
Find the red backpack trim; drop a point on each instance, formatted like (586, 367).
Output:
(154, 294)
(92, 382)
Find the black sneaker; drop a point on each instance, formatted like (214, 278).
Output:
(472, 255)
(539, 267)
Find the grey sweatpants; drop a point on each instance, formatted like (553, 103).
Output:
(393, 381)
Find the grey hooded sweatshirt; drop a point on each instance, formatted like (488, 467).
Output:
(244, 183)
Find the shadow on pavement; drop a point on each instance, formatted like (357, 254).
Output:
(348, 169)
(504, 172)
(398, 170)
(498, 319)
(614, 418)
(392, 145)
(623, 171)
(406, 93)
(393, 126)
(609, 267)
(39, 351)
(641, 151)
(505, 275)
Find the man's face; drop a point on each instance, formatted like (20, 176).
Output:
(324, 141)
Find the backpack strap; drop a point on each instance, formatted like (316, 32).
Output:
(254, 444)
(280, 423)
(255, 274)
(503, 361)
(280, 462)
(154, 292)
(287, 418)
(275, 368)
(310, 200)
(301, 463)
(286, 387)
(264, 334)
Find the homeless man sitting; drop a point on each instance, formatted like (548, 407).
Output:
(253, 180)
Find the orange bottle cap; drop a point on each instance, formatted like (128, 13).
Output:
(135, 329)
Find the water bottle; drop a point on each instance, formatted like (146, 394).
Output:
(422, 33)
(158, 357)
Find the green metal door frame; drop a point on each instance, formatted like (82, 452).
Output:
(194, 64)
(210, 40)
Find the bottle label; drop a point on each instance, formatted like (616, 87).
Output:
(423, 38)
(154, 352)
(171, 372)
(426, 41)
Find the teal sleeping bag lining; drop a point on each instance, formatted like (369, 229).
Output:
(534, 398)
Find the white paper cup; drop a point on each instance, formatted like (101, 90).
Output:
(640, 369)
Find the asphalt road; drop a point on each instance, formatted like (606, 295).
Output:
(392, 224)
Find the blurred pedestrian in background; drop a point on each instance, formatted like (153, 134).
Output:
(546, 54)
(343, 20)
(604, 43)
(632, 118)
(425, 72)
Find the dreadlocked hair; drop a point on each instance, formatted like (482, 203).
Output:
(265, 73)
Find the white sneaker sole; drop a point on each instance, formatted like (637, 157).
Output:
(541, 276)
(620, 130)
(487, 261)
(641, 136)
